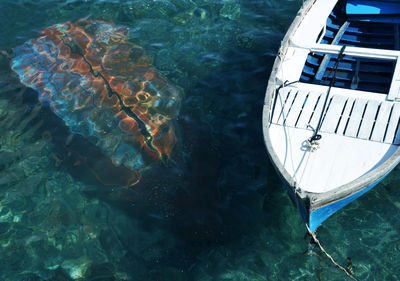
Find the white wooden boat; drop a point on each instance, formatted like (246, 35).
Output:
(337, 78)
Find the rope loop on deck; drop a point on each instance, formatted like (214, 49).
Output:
(314, 237)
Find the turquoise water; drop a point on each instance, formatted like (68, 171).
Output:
(217, 211)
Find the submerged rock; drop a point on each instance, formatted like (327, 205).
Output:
(104, 88)
(76, 268)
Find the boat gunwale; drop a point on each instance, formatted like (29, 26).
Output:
(313, 200)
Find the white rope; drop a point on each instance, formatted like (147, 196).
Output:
(314, 236)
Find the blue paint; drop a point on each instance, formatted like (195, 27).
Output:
(316, 218)
(357, 9)
(380, 72)
(303, 211)
(374, 11)
(320, 215)
(372, 7)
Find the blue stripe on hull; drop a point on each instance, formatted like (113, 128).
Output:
(316, 218)
(320, 215)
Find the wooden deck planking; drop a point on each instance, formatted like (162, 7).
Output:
(368, 120)
(308, 110)
(381, 122)
(355, 118)
(333, 114)
(279, 103)
(345, 116)
(287, 106)
(393, 123)
(296, 108)
(318, 111)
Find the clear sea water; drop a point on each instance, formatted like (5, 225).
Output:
(219, 212)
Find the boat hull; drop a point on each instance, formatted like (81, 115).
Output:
(314, 218)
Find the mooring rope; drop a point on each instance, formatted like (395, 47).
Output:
(314, 236)
(316, 136)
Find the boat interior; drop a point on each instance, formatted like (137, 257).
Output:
(366, 74)
(351, 94)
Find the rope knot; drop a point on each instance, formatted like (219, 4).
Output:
(312, 145)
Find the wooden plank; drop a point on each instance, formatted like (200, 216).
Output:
(355, 118)
(279, 104)
(394, 91)
(393, 123)
(325, 61)
(333, 114)
(355, 51)
(345, 116)
(288, 105)
(308, 110)
(296, 108)
(356, 79)
(381, 122)
(368, 119)
(318, 111)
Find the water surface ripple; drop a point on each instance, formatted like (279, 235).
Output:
(216, 209)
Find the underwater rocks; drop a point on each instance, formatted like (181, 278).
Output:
(76, 268)
(46, 223)
(230, 10)
(104, 88)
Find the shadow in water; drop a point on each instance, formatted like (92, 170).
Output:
(212, 192)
